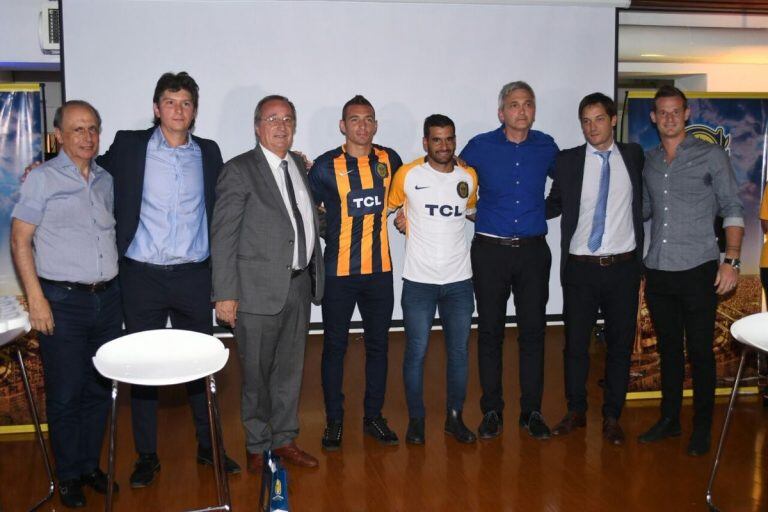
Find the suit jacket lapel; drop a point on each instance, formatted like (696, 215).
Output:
(268, 177)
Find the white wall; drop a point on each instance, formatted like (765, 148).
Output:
(410, 60)
(19, 40)
(718, 77)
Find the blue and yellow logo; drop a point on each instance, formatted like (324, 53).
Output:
(713, 136)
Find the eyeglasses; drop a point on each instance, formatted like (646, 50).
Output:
(275, 120)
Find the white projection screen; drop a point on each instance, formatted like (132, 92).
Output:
(410, 59)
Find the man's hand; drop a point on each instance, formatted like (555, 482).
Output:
(29, 169)
(727, 279)
(226, 312)
(40, 315)
(401, 222)
(307, 162)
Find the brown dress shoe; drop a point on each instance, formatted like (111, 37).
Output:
(294, 455)
(255, 462)
(612, 431)
(571, 422)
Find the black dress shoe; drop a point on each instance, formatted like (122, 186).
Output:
(71, 493)
(97, 479)
(534, 424)
(334, 432)
(144, 470)
(491, 426)
(569, 423)
(378, 429)
(415, 432)
(612, 431)
(699, 442)
(205, 457)
(455, 426)
(665, 427)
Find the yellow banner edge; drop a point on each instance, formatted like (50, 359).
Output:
(19, 87)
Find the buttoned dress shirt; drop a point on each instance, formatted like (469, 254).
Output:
(75, 235)
(303, 200)
(173, 226)
(682, 199)
(619, 234)
(512, 178)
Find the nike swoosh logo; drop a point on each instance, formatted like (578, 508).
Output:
(419, 188)
(345, 173)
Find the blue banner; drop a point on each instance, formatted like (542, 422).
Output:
(20, 143)
(739, 124)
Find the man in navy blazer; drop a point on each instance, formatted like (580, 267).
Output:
(165, 181)
(597, 190)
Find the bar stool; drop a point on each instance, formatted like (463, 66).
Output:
(165, 357)
(752, 332)
(14, 322)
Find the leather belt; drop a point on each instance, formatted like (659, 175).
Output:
(168, 268)
(508, 242)
(297, 272)
(603, 261)
(86, 287)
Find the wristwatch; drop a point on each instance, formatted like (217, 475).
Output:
(734, 262)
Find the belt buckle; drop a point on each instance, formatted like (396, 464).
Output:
(606, 261)
(514, 242)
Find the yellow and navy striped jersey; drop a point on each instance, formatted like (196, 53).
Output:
(354, 192)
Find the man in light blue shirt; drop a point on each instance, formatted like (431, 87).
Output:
(165, 180)
(63, 244)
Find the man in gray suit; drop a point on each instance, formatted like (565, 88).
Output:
(267, 267)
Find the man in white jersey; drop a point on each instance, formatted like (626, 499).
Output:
(437, 194)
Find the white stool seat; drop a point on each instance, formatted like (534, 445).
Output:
(752, 330)
(161, 357)
(14, 321)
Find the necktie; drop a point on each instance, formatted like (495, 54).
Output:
(598, 220)
(301, 237)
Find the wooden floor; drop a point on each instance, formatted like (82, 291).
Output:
(577, 473)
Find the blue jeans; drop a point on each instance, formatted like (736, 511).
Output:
(455, 302)
(77, 397)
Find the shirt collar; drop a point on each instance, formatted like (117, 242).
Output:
(272, 159)
(160, 142)
(62, 161)
(533, 135)
(592, 149)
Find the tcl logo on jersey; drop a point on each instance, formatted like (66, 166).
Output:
(444, 210)
(365, 201)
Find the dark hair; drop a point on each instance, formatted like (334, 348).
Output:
(438, 121)
(174, 83)
(669, 91)
(272, 97)
(598, 98)
(359, 99)
(58, 117)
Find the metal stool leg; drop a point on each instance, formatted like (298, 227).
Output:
(219, 471)
(724, 432)
(111, 463)
(38, 430)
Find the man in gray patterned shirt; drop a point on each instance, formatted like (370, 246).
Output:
(687, 183)
(63, 244)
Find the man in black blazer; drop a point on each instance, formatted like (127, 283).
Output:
(165, 182)
(597, 190)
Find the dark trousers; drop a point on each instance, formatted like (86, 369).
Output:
(682, 306)
(271, 350)
(587, 289)
(764, 278)
(150, 296)
(374, 297)
(524, 271)
(77, 397)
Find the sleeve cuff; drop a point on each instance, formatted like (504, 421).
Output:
(27, 214)
(733, 221)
